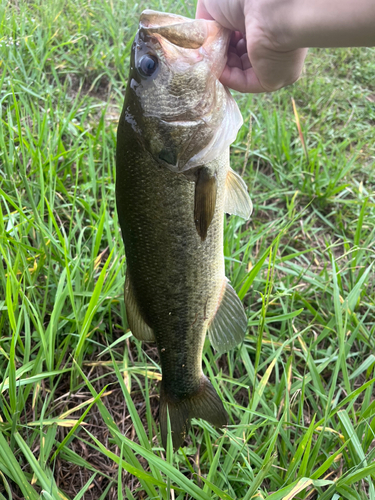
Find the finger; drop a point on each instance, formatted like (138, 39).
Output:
(234, 60)
(241, 80)
(241, 47)
(245, 61)
(235, 38)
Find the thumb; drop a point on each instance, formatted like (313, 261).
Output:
(202, 12)
(275, 69)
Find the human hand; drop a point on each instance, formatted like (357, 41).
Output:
(265, 53)
(259, 59)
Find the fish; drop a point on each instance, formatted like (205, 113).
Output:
(173, 186)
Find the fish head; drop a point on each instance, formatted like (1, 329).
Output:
(175, 103)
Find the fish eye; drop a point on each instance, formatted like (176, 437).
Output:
(147, 65)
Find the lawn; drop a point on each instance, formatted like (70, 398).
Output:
(78, 394)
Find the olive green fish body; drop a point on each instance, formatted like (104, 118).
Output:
(171, 217)
(175, 276)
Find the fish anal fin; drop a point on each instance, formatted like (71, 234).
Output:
(228, 327)
(137, 324)
(204, 403)
(205, 200)
(237, 200)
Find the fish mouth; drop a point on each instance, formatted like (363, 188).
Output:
(153, 18)
(176, 29)
(207, 37)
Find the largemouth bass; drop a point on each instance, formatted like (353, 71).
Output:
(173, 185)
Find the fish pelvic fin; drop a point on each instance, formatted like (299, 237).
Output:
(205, 404)
(205, 200)
(137, 324)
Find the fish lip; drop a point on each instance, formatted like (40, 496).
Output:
(148, 14)
(176, 29)
(182, 31)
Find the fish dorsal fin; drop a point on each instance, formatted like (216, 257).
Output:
(228, 327)
(137, 324)
(205, 200)
(237, 200)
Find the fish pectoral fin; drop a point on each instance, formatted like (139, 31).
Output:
(237, 200)
(204, 201)
(205, 403)
(137, 324)
(228, 327)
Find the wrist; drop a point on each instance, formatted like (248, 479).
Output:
(330, 23)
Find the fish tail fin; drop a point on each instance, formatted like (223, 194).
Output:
(205, 403)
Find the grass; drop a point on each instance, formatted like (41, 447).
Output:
(78, 394)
